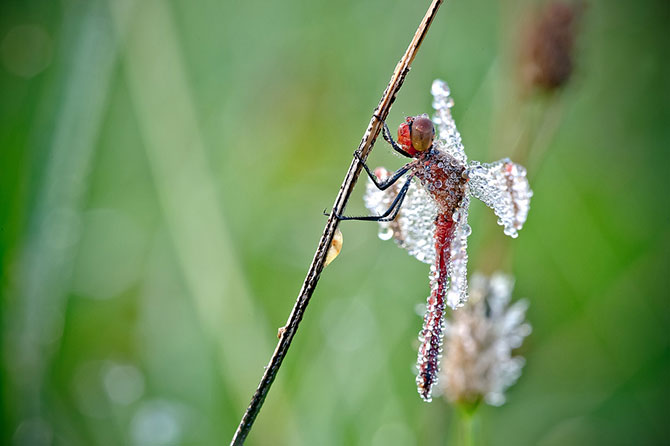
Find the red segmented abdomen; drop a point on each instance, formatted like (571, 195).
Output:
(430, 349)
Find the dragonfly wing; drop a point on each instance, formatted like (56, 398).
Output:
(457, 294)
(449, 137)
(503, 187)
(414, 227)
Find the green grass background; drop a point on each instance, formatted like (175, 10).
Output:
(162, 180)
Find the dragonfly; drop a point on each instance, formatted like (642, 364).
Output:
(428, 214)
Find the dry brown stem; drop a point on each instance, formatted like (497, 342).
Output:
(308, 286)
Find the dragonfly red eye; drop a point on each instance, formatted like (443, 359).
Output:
(404, 137)
(422, 134)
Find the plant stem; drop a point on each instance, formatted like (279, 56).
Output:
(314, 272)
(467, 421)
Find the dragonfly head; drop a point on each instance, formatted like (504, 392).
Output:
(416, 134)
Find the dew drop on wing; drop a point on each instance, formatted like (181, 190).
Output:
(467, 230)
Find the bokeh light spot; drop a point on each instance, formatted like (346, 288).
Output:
(26, 50)
(124, 383)
(33, 432)
(157, 423)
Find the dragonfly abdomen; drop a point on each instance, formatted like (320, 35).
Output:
(430, 337)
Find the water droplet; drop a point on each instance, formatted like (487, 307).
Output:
(385, 233)
(335, 247)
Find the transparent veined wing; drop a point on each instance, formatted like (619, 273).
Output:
(414, 227)
(457, 294)
(503, 187)
(447, 133)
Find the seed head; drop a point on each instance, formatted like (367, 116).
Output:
(479, 340)
(547, 55)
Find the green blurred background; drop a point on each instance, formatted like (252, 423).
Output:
(164, 166)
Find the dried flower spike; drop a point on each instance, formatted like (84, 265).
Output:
(547, 56)
(480, 339)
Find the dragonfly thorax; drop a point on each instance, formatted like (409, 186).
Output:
(442, 176)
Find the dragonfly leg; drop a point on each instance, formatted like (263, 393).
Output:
(390, 213)
(386, 133)
(385, 184)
